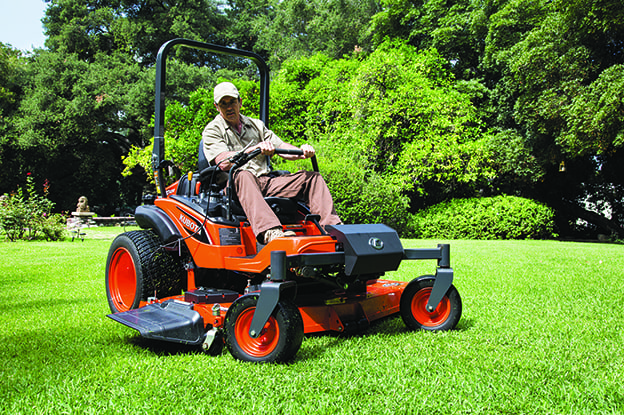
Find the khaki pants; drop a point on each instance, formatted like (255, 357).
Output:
(305, 186)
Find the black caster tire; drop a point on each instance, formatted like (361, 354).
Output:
(414, 311)
(279, 341)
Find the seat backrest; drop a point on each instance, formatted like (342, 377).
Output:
(202, 162)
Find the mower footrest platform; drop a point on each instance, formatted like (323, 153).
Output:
(172, 320)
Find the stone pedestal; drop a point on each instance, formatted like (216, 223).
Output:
(83, 217)
(79, 220)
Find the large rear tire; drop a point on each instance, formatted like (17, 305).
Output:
(279, 340)
(414, 311)
(137, 268)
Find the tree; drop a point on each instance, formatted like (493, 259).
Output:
(563, 78)
(90, 96)
(13, 76)
(456, 29)
(246, 22)
(299, 28)
(546, 76)
(136, 28)
(422, 129)
(393, 131)
(11, 70)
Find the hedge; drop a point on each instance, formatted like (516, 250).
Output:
(500, 217)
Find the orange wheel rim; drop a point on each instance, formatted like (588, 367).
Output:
(265, 343)
(424, 317)
(122, 283)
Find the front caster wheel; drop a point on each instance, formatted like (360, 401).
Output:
(414, 307)
(279, 340)
(214, 347)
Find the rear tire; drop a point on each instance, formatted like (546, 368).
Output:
(414, 311)
(137, 268)
(279, 341)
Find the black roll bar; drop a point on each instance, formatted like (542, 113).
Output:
(158, 153)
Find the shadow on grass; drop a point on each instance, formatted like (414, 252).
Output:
(163, 348)
(389, 326)
(392, 326)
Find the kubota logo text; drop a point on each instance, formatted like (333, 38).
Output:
(189, 223)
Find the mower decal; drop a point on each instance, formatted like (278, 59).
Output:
(335, 301)
(193, 227)
(230, 236)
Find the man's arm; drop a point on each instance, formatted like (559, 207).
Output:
(222, 160)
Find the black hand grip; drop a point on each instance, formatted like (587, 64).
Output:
(299, 153)
(289, 151)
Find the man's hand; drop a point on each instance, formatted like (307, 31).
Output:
(266, 147)
(308, 151)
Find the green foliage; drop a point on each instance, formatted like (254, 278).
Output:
(492, 97)
(517, 169)
(596, 115)
(10, 72)
(24, 215)
(54, 227)
(421, 128)
(13, 216)
(564, 92)
(554, 70)
(90, 96)
(136, 28)
(362, 195)
(70, 127)
(500, 217)
(456, 29)
(394, 114)
(310, 98)
(300, 28)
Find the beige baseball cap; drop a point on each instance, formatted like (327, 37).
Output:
(225, 89)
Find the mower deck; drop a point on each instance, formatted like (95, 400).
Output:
(186, 318)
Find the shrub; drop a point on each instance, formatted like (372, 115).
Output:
(500, 217)
(364, 196)
(54, 226)
(13, 216)
(24, 216)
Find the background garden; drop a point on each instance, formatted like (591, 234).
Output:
(480, 123)
(512, 108)
(541, 333)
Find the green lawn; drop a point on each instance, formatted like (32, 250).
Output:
(541, 332)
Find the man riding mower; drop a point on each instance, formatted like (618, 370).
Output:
(196, 273)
